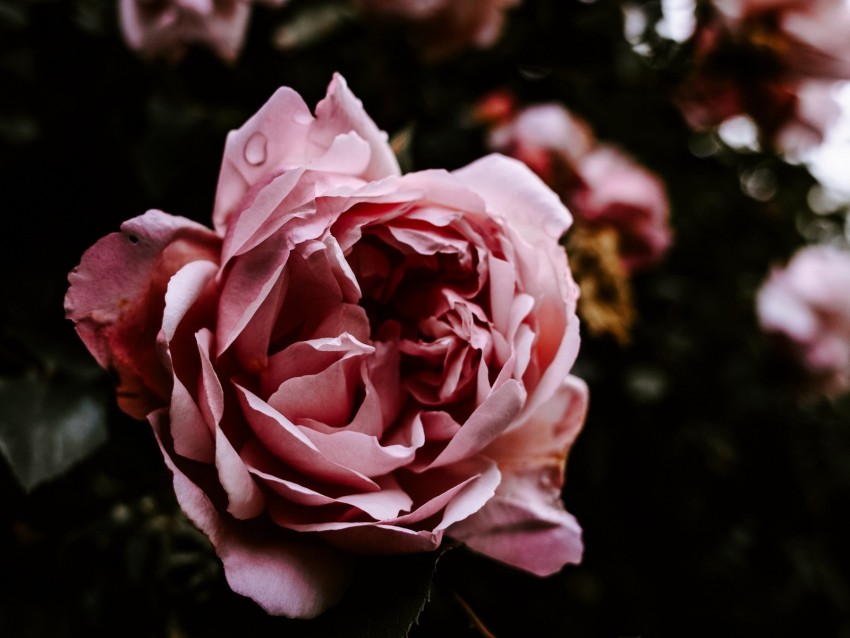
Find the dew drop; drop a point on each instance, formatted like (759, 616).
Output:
(302, 118)
(255, 149)
(133, 239)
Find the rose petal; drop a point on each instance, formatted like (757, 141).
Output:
(525, 524)
(244, 498)
(290, 445)
(341, 112)
(518, 528)
(270, 140)
(117, 298)
(517, 195)
(285, 574)
(488, 421)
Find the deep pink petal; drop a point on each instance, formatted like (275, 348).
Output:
(117, 300)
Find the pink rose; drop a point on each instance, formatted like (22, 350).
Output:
(353, 361)
(445, 27)
(774, 60)
(808, 304)
(602, 185)
(548, 138)
(619, 193)
(166, 27)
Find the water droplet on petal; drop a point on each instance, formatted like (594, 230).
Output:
(302, 118)
(255, 149)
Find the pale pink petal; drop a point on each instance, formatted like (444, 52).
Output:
(310, 357)
(348, 153)
(192, 434)
(327, 396)
(489, 420)
(525, 524)
(547, 433)
(519, 528)
(273, 205)
(244, 498)
(252, 280)
(285, 574)
(341, 112)
(283, 439)
(514, 193)
(184, 290)
(190, 431)
(271, 140)
(363, 453)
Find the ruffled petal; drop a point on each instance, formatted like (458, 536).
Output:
(284, 573)
(117, 300)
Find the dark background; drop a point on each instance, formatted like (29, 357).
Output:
(713, 499)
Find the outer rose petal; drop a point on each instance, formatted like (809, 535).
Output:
(117, 297)
(525, 524)
(284, 574)
(283, 134)
(515, 193)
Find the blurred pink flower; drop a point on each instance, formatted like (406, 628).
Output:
(618, 192)
(443, 28)
(353, 361)
(166, 27)
(773, 60)
(601, 185)
(546, 137)
(807, 303)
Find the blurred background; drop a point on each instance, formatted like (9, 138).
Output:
(712, 477)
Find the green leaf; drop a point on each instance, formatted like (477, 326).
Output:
(47, 424)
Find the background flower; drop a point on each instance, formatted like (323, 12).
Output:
(445, 27)
(166, 27)
(773, 61)
(807, 304)
(601, 184)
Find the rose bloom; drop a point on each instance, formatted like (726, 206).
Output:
(443, 28)
(548, 138)
(602, 185)
(807, 303)
(166, 27)
(353, 362)
(619, 193)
